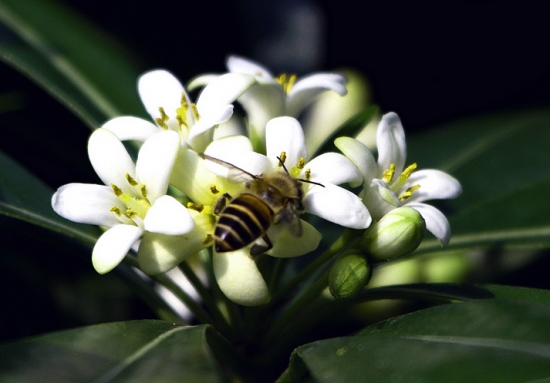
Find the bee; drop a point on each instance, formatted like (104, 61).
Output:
(267, 200)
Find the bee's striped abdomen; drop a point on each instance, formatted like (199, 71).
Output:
(242, 221)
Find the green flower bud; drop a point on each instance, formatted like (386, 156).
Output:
(349, 275)
(397, 233)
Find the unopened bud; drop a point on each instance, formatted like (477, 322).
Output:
(349, 275)
(397, 233)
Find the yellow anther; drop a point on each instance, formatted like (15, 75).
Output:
(195, 111)
(407, 173)
(130, 180)
(408, 193)
(214, 189)
(183, 102)
(116, 190)
(283, 158)
(387, 176)
(308, 174)
(161, 121)
(181, 122)
(286, 81)
(301, 163)
(194, 206)
(209, 238)
(130, 213)
(143, 190)
(115, 210)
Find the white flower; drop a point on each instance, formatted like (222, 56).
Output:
(166, 100)
(236, 272)
(388, 185)
(132, 203)
(275, 96)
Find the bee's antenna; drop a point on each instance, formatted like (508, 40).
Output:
(282, 164)
(299, 179)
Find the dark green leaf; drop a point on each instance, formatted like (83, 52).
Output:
(500, 340)
(135, 351)
(25, 197)
(85, 69)
(500, 161)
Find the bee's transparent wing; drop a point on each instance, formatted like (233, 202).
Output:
(290, 218)
(226, 169)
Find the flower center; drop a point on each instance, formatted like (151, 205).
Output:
(296, 170)
(186, 115)
(395, 185)
(135, 202)
(287, 81)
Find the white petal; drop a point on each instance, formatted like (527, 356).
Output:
(334, 168)
(286, 245)
(110, 159)
(155, 162)
(223, 90)
(237, 64)
(160, 88)
(225, 146)
(262, 102)
(85, 203)
(168, 216)
(390, 140)
(111, 248)
(235, 165)
(285, 134)
(239, 278)
(436, 222)
(360, 155)
(434, 184)
(160, 253)
(202, 132)
(201, 80)
(131, 128)
(337, 205)
(306, 90)
(372, 197)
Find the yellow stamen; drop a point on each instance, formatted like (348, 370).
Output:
(143, 190)
(387, 176)
(301, 163)
(130, 180)
(407, 173)
(116, 210)
(130, 213)
(408, 193)
(181, 122)
(283, 158)
(308, 174)
(209, 238)
(286, 81)
(214, 189)
(194, 206)
(116, 190)
(161, 121)
(195, 111)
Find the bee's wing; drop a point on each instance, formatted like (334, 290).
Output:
(227, 170)
(290, 218)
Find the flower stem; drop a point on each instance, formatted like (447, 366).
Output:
(206, 297)
(340, 244)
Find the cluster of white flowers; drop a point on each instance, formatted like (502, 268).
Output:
(164, 231)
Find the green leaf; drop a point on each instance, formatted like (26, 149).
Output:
(25, 197)
(85, 69)
(134, 351)
(501, 162)
(506, 339)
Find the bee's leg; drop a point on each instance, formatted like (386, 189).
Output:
(257, 249)
(221, 203)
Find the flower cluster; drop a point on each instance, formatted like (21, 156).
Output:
(166, 205)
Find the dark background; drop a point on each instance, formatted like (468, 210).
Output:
(431, 62)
